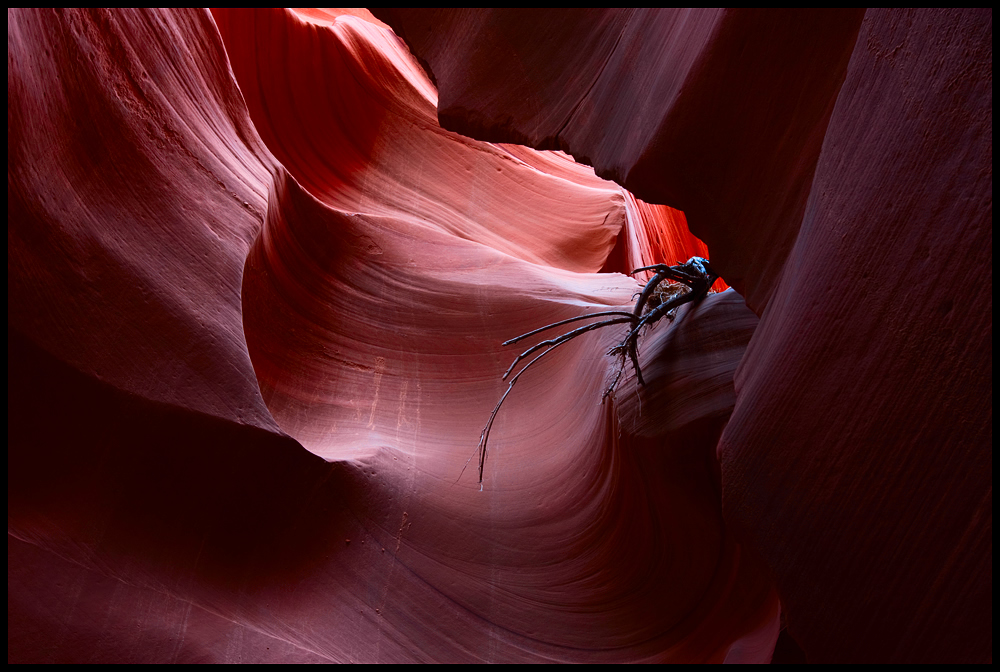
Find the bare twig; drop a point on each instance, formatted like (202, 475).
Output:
(696, 273)
(559, 340)
(562, 322)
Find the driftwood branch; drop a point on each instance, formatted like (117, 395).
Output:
(696, 273)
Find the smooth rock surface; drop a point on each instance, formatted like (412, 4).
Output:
(355, 267)
(840, 170)
(256, 295)
(859, 455)
(136, 185)
(719, 113)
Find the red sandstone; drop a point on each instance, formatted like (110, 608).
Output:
(256, 295)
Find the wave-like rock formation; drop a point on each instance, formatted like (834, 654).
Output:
(257, 291)
(839, 165)
(719, 113)
(199, 314)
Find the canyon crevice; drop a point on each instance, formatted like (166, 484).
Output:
(261, 264)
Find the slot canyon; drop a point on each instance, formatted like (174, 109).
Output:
(261, 264)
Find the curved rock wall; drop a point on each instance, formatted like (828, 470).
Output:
(136, 187)
(219, 276)
(256, 294)
(720, 113)
(839, 166)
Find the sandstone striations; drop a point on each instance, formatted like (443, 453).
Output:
(257, 297)
(839, 165)
(261, 262)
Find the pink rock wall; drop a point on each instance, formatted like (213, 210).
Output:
(136, 187)
(256, 294)
(720, 113)
(840, 169)
(238, 243)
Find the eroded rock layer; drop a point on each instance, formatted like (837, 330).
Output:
(136, 185)
(720, 113)
(842, 179)
(368, 263)
(256, 295)
(862, 433)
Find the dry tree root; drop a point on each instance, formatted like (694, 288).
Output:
(685, 283)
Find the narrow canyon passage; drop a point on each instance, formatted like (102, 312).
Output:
(261, 264)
